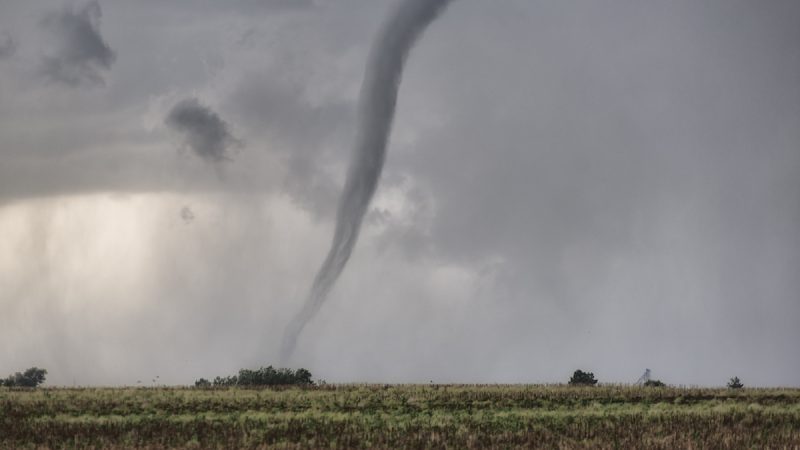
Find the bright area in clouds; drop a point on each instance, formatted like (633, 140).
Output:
(569, 185)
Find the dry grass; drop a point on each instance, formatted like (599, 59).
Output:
(401, 416)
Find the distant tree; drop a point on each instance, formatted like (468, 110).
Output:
(735, 383)
(654, 383)
(32, 378)
(303, 376)
(581, 378)
(202, 383)
(265, 376)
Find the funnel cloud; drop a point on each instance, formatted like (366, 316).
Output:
(376, 112)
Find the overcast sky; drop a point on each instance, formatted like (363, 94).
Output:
(608, 186)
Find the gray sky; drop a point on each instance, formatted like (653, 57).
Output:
(609, 186)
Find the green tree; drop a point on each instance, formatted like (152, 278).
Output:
(581, 378)
(735, 383)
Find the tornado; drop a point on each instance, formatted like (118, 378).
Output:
(377, 102)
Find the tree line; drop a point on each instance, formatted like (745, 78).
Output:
(264, 376)
(270, 376)
(581, 378)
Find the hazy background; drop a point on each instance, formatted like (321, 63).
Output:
(599, 185)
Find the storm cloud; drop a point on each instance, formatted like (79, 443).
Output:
(204, 132)
(80, 55)
(610, 187)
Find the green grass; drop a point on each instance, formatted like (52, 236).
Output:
(401, 416)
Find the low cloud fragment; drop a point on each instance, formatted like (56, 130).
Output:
(80, 55)
(8, 46)
(187, 215)
(205, 133)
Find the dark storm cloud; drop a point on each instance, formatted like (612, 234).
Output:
(81, 54)
(585, 136)
(7, 44)
(205, 133)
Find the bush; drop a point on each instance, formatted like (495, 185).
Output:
(654, 383)
(735, 383)
(32, 378)
(581, 378)
(265, 376)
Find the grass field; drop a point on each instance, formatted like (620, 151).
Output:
(401, 416)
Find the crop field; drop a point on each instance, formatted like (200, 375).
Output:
(400, 416)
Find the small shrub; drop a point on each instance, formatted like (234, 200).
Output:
(581, 378)
(735, 383)
(654, 383)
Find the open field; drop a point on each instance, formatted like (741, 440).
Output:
(401, 416)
